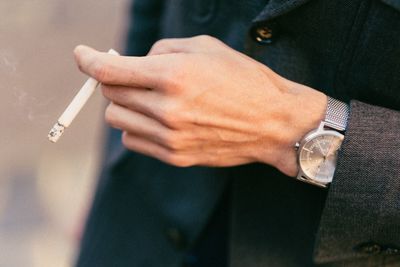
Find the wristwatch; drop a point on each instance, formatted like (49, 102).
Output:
(317, 152)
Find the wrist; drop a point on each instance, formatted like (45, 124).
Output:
(306, 108)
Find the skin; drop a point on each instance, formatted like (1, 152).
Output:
(196, 101)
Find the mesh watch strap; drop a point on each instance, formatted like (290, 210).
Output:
(337, 114)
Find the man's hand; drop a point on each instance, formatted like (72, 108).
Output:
(196, 101)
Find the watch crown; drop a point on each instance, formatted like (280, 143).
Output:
(297, 146)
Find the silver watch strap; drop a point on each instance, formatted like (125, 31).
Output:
(337, 114)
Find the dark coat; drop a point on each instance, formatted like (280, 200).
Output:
(149, 214)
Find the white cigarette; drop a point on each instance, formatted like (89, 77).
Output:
(74, 107)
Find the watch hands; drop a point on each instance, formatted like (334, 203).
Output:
(320, 147)
(329, 150)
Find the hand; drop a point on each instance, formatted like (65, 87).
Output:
(195, 101)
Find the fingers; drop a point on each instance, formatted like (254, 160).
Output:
(119, 70)
(147, 136)
(152, 71)
(138, 99)
(136, 124)
(141, 145)
(176, 158)
(151, 103)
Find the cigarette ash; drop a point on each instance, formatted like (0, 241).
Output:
(56, 132)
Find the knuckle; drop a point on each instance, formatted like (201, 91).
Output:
(125, 140)
(170, 81)
(168, 119)
(110, 115)
(115, 94)
(101, 70)
(106, 91)
(160, 45)
(178, 160)
(175, 76)
(206, 38)
(169, 114)
(172, 141)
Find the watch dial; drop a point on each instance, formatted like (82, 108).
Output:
(318, 157)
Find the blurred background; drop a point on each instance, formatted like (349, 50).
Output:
(45, 188)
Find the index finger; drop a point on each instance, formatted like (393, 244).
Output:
(119, 70)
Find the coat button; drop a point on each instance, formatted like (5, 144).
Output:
(264, 34)
(369, 248)
(176, 238)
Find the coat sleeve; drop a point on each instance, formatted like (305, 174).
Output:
(362, 211)
(144, 26)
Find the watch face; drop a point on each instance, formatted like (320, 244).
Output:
(318, 156)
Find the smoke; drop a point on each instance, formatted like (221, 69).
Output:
(8, 63)
(32, 107)
(24, 104)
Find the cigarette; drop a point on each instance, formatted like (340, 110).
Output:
(74, 107)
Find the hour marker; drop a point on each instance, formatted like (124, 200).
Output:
(309, 150)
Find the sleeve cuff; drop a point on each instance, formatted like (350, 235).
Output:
(362, 211)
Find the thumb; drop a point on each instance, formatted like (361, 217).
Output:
(85, 58)
(120, 70)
